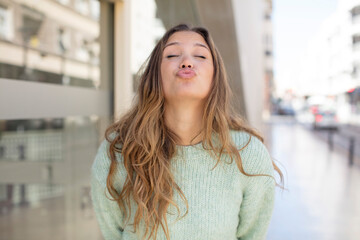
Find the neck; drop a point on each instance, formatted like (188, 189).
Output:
(186, 121)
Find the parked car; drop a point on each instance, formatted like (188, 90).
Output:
(325, 120)
(286, 110)
(283, 108)
(318, 117)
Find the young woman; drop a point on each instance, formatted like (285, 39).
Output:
(180, 158)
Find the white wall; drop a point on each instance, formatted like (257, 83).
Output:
(249, 23)
(123, 79)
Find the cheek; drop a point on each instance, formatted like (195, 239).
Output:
(209, 71)
(210, 76)
(165, 70)
(164, 74)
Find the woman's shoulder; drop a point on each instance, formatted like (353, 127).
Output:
(101, 164)
(239, 137)
(254, 154)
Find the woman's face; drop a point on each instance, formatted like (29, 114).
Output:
(186, 67)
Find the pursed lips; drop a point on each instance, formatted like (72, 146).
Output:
(186, 73)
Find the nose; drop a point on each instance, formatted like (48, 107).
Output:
(186, 63)
(186, 66)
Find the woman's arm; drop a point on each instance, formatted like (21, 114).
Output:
(256, 209)
(258, 193)
(107, 211)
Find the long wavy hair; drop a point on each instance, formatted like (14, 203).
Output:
(147, 145)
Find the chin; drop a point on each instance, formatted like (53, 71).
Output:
(189, 97)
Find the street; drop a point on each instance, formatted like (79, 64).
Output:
(322, 198)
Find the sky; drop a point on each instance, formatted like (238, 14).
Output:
(295, 22)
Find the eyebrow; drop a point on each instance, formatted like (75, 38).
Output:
(196, 44)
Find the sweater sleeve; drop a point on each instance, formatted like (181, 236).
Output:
(255, 212)
(107, 211)
(258, 196)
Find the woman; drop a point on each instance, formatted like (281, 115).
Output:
(180, 158)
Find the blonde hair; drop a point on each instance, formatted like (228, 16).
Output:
(147, 144)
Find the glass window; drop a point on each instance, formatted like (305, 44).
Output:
(6, 27)
(82, 6)
(46, 152)
(63, 41)
(65, 2)
(356, 41)
(47, 48)
(45, 175)
(95, 9)
(355, 11)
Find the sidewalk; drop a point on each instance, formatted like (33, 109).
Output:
(323, 199)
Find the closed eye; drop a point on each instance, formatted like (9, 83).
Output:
(203, 57)
(170, 56)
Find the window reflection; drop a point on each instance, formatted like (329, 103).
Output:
(43, 211)
(42, 139)
(43, 48)
(45, 175)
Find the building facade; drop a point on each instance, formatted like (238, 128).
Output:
(331, 64)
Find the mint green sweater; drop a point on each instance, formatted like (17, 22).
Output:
(224, 204)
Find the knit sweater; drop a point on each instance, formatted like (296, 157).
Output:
(224, 204)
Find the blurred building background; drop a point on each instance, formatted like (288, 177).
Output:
(326, 77)
(52, 104)
(314, 130)
(68, 68)
(269, 83)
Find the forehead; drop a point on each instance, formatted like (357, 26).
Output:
(187, 37)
